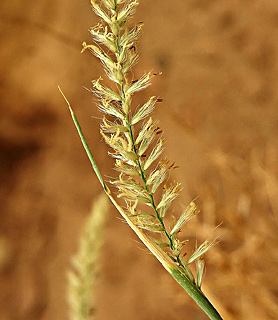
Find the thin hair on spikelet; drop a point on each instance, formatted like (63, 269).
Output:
(82, 278)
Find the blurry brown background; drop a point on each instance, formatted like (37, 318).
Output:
(220, 87)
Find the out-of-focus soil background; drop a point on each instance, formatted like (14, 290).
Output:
(219, 83)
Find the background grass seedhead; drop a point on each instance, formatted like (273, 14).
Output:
(83, 276)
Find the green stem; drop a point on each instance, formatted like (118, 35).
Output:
(196, 294)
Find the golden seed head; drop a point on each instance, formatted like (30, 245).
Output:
(137, 151)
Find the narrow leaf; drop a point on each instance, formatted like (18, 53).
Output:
(85, 144)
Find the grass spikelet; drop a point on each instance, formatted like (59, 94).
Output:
(147, 128)
(155, 153)
(128, 38)
(101, 13)
(127, 11)
(102, 36)
(157, 176)
(108, 107)
(169, 194)
(82, 279)
(203, 248)
(139, 84)
(200, 266)
(188, 213)
(144, 111)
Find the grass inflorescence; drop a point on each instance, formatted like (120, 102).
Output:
(137, 146)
